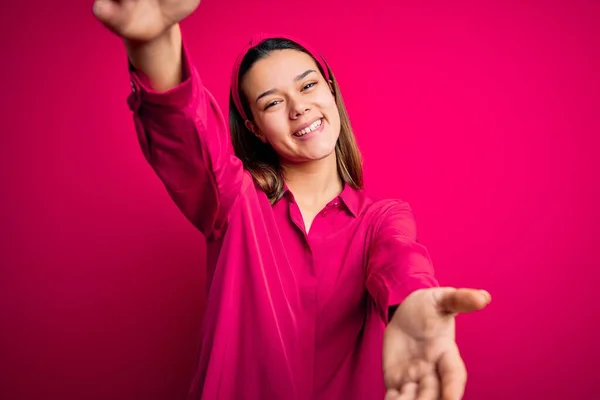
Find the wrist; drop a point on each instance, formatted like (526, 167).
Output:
(416, 304)
(159, 59)
(139, 51)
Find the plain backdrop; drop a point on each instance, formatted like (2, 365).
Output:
(483, 115)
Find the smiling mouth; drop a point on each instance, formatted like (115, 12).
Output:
(313, 127)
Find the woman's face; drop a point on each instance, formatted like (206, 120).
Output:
(293, 106)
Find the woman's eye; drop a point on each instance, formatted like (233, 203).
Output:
(271, 104)
(276, 102)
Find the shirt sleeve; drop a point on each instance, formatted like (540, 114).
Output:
(185, 139)
(397, 264)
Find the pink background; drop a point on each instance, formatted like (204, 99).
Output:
(483, 116)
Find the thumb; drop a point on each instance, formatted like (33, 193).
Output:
(453, 301)
(107, 12)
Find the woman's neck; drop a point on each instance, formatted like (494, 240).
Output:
(314, 183)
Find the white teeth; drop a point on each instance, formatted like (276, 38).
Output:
(311, 128)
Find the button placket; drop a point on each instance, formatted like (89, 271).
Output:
(330, 207)
(134, 99)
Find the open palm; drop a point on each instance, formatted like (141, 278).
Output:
(421, 359)
(142, 20)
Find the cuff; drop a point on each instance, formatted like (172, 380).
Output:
(393, 294)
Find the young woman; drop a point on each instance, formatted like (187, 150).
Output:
(315, 291)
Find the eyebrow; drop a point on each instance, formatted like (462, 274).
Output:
(296, 79)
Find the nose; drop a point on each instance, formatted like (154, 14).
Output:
(298, 108)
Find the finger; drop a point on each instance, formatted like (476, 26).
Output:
(453, 375)
(408, 391)
(392, 394)
(107, 11)
(405, 378)
(429, 388)
(413, 373)
(452, 301)
(393, 376)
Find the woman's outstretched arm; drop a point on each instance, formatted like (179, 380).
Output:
(180, 127)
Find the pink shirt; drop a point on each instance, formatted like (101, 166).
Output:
(289, 315)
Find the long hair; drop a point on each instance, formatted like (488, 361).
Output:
(260, 159)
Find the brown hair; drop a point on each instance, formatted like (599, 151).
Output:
(260, 159)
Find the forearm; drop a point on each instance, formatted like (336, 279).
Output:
(398, 265)
(184, 136)
(159, 59)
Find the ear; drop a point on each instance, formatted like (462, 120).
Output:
(254, 129)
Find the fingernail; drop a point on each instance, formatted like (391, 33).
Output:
(487, 295)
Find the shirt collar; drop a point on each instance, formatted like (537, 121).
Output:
(351, 198)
